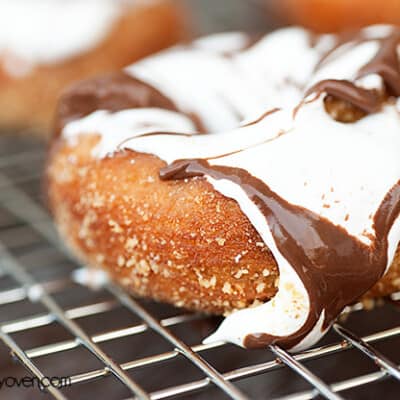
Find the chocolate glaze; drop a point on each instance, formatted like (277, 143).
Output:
(335, 268)
(350, 37)
(364, 99)
(119, 91)
(385, 63)
(121, 145)
(114, 92)
(262, 116)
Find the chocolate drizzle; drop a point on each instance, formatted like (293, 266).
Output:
(113, 92)
(366, 100)
(385, 64)
(262, 116)
(351, 38)
(335, 268)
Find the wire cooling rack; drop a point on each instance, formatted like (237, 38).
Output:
(111, 345)
(102, 343)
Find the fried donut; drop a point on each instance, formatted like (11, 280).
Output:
(39, 58)
(219, 175)
(338, 15)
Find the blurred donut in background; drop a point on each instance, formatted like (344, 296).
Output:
(337, 15)
(47, 44)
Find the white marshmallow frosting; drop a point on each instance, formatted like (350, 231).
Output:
(341, 171)
(36, 32)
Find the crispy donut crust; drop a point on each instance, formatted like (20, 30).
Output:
(179, 242)
(30, 101)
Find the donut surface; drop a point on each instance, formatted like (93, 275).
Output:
(213, 193)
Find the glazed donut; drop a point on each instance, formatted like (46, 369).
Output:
(221, 174)
(337, 15)
(46, 45)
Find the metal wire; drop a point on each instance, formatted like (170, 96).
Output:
(37, 292)
(26, 211)
(380, 360)
(291, 362)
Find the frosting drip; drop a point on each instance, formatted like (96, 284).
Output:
(335, 267)
(330, 223)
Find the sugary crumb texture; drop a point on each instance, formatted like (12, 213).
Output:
(178, 242)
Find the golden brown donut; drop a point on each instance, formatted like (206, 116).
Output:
(338, 15)
(29, 101)
(137, 174)
(176, 242)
